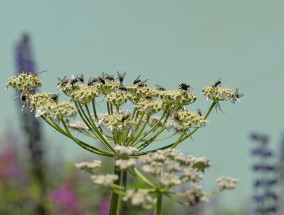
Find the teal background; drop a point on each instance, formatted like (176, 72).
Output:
(169, 42)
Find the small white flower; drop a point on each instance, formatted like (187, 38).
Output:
(124, 164)
(195, 195)
(139, 197)
(192, 175)
(168, 179)
(92, 165)
(125, 150)
(104, 180)
(227, 183)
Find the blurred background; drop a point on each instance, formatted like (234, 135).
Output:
(168, 42)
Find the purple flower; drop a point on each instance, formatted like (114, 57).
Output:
(66, 200)
(265, 167)
(9, 168)
(261, 151)
(260, 138)
(103, 207)
(24, 57)
(265, 182)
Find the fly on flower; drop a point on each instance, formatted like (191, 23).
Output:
(217, 83)
(75, 79)
(62, 82)
(25, 95)
(160, 88)
(109, 77)
(139, 82)
(102, 78)
(122, 88)
(121, 76)
(237, 95)
(54, 97)
(92, 81)
(184, 87)
(199, 112)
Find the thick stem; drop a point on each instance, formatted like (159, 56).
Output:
(116, 205)
(158, 210)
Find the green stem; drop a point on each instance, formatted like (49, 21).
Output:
(141, 177)
(179, 139)
(79, 142)
(159, 205)
(184, 137)
(95, 130)
(116, 205)
(94, 110)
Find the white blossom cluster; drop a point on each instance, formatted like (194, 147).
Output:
(227, 183)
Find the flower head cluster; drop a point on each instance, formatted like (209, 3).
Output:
(227, 183)
(57, 110)
(220, 94)
(82, 93)
(186, 119)
(171, 168)
(104, 180)
(175, 100)
(195, 195)
(117, 98)
(117, 121)
(24, 81)
(89, 166)
(139, 197)
(122, 151)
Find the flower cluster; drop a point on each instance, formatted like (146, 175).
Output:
(162, 171)
(125, 134)
(227, 183)
(24, 81)
(219, 94)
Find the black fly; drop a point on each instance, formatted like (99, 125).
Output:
(237, 96)
(75, 79)
(25, 95)
(199, 112)
(142, 84)
(137, 80)
(218, 82)
(109, 77)
(80, 78)
(102, 78)
(62, 82)
(121, 76)
(160, 88)
(184, 86)
(92, 81)
(122, 88)
(54, 97)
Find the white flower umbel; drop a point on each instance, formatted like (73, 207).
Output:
(227, 183)
(195, 195)
(125, 163)
(138, 197)
(125, 150)
(88, 166)
(104, 180)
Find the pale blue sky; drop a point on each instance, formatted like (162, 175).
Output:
(168, 42)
